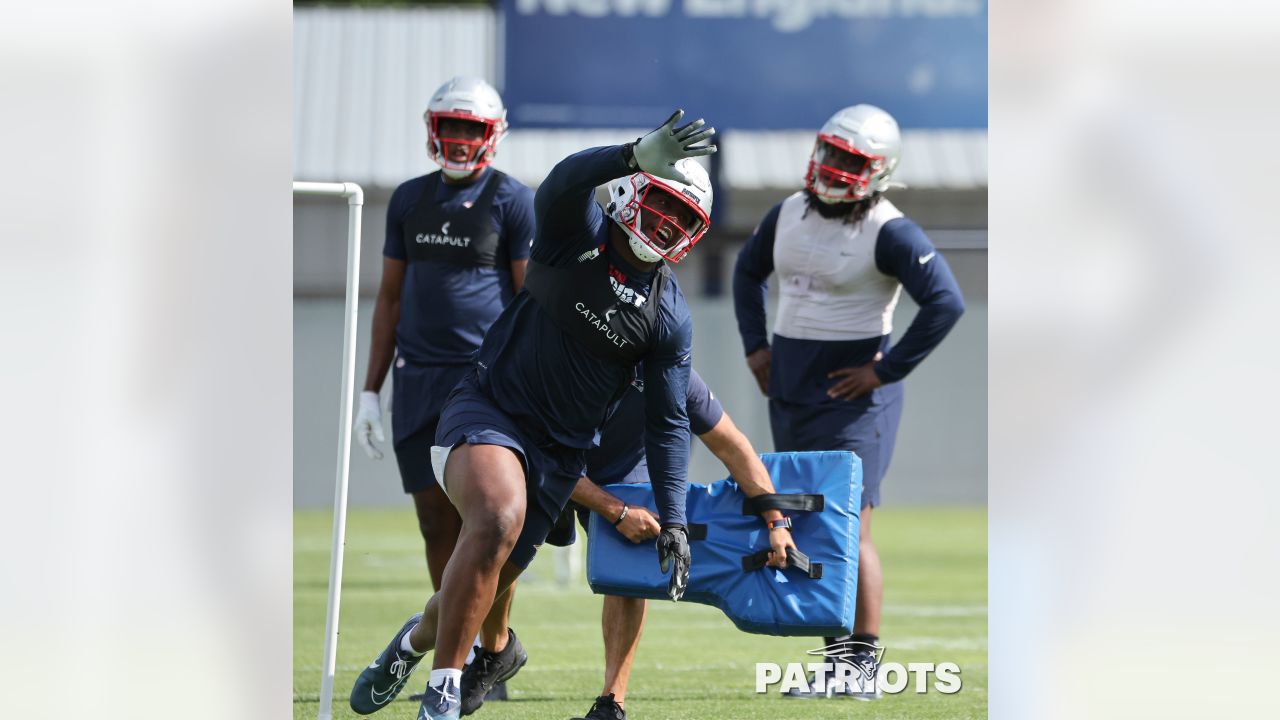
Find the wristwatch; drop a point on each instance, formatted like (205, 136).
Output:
(783, 523)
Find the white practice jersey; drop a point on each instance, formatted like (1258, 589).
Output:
(829, 286)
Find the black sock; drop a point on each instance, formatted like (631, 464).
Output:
(837, 647)
(863, 641)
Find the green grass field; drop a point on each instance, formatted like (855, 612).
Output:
(692, 662)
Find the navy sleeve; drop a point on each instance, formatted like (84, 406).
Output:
(903, 251)
(565, 204)
(397, 209)
(517, 222)
(703, 407)
(751, 282)
(666, 421)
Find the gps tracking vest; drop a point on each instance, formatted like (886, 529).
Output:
(829, 287)
(465, 236)
(582, 302)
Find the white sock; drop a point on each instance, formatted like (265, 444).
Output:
(438, 677)
(471, 655)
(407, 646)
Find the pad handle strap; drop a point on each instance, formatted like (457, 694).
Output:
(799, 502)
(795, 559)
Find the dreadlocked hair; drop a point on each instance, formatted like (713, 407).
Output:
(852, 212)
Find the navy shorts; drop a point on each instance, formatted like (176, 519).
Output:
(551, 470)
(868, 429)
(418, 393)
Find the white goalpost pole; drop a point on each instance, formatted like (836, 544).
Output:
(355, 204)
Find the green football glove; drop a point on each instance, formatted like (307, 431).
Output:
(658, 152)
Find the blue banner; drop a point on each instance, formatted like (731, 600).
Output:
(749, 64)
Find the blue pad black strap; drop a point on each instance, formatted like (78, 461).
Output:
(795, 559)
(799, 502)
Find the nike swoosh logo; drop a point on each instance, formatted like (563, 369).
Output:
(928, 257)
(386, 694)
(373, 665)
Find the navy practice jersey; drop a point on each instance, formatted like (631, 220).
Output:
(549, 382)
(902, 252)
(620, 457)
(446, 307)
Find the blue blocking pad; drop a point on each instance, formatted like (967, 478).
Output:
(767, 601)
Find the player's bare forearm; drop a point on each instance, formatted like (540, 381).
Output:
(386, 314)
(590, 496)
(518, 268)
(383, 346)
(734, 450)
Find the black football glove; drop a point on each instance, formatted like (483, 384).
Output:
(674, 555)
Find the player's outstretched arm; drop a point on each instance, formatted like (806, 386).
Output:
(635, 523)
(666, 441)
(731, 447)
(667, 434)
(565, 204)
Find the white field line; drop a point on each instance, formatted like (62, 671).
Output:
(908, 643)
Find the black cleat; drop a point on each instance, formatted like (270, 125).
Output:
(488, 669)
(604, 708)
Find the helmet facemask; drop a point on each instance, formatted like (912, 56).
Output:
(661, 222)
(460, 142)
(839, 172)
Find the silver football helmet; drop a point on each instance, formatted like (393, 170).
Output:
(465, 121)
(663, 218)
(856, 152)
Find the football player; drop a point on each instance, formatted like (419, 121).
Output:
(843, 253)
(513, 435)
(457, 243)
(620, 458)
